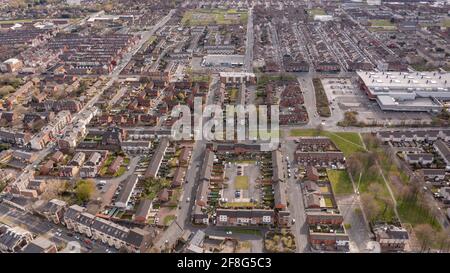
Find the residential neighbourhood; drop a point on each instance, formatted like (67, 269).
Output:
(245, 126)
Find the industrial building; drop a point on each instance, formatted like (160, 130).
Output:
(406, 91)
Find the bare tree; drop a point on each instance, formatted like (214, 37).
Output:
(371, 207)
(425, 234)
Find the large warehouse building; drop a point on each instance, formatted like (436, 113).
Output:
(407, 91)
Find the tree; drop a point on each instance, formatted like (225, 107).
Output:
(84, 190)
(371, 207)
(53, 189)
(354, 165)
(424, 234)
(443, 240)
(5, 90)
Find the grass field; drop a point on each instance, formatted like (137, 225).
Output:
(241, 182)
(413, 213)
(233, 94)
(446, 23)
(238, 205)
(316, 11)
(340, 181)
(347, 142)
(382, 23)
(214, 16)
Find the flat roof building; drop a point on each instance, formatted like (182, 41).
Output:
(406, 91)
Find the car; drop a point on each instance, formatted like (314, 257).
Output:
(293, 221)
(229, 232)
(188, 200)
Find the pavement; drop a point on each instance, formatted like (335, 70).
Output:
(55, 233)
(295, 197)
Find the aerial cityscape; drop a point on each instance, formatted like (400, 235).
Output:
(224, 126)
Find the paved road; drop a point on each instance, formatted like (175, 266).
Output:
(184, 212)
(295, 196)
(49, 230)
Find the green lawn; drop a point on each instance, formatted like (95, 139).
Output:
(328, 202)
(248, 231)
(238, 204)
(206, 17)
(241, 183)
(446, 23)
(233, 94)
(412, 212)
(168, 219)
(381, 23)
(347, 142)
(316, 11)
(340, 181)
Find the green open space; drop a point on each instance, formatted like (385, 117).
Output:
(241, 182)
(340, 181)
(206, 17)
(347, 142)
(238, 205)
(316, 11)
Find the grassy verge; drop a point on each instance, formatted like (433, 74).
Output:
(340, 181)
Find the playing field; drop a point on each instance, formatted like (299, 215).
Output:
(214, 17)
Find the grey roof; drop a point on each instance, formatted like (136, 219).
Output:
(110, 228)
(208, 161)
(137, 237)
(39, 245)
(52, 206)
(443, 149)
(143, 208)
(277, 165)
(153, 167)
(280, 194)
(127, 189)
(430, 172)
(73, 211)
